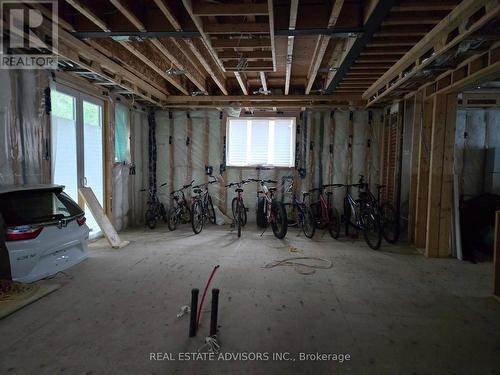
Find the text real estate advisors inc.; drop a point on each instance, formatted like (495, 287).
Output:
(250, 356)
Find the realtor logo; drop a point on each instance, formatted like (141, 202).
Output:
(28, 34)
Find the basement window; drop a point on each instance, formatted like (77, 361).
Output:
(261, 142)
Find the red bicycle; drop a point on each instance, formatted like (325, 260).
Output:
(326, 214)
(271, 211)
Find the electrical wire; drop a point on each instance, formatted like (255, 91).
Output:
(327, 264)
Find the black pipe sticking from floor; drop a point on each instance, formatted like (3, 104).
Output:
(194, 309)
(214, 312)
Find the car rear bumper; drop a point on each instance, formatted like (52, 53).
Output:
(37, 259)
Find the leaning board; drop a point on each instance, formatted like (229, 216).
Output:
(95, 207)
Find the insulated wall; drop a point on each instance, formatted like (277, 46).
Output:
(24, 132)
(476, 131)
(333, 147)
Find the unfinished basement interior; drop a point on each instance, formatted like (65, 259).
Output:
(250, 187)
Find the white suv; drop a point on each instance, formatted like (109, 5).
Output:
(46, 230)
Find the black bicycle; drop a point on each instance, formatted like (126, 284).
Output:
(238, 207)
(272, 211)
(202, 207)
(179, 212)
(156, 209)
(389, 221)
(363, 215)
(303, 213)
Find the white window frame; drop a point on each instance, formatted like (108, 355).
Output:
(271, 134)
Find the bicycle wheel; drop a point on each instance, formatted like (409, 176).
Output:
(238, 217)
(163, 213)
(390, 222)
(211, 211)
(308, 225)
(172, 219)
(261, 213)
(185, 214)
(334, 223)
(280, 221)
(243, 213)
(371, 229)
(197, 217)
(150, 219)
(317, 210)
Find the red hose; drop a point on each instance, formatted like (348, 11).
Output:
(204, 294)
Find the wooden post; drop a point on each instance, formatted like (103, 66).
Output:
(445, 217)
(423, 176)
(171, 153)
(368, 144)
(439, 206)
(496, 257)
(109, 159)
(222, 188)
(189, 149)
(206, 144)
(416, 139)
(350, 140)
(312, 149)
(332, 145)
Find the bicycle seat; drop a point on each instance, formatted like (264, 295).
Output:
(197, 191)
(238, 190)
(272, 189)
(380, 186)
(260, 192)
(304, 193)
(329, 193)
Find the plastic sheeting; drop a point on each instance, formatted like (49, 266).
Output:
(23, 130)
(189, 136)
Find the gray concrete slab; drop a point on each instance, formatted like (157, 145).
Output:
(393, 311)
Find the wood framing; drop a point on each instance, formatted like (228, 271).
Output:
(289, 54)
(321, 45)
(240, 77)
(271, 31)
(440, 176)
(423, 175)
(416, 138)
(436, 39)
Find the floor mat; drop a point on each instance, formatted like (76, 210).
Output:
(20, 295)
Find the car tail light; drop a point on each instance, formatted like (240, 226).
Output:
(81, 220)
(23, 233)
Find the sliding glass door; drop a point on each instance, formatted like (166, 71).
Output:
(77, 146)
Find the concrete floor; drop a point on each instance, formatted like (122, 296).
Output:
(393, 311)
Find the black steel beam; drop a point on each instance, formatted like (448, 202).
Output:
(333, 33)
(371, 26)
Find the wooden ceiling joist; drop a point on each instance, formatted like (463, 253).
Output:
(263, 81)
(236, 28)
(289, 54)
(425, 5)
(435, 38)
(321, 45)
(198, 48)
(215, 9)
(198, 22)
(251, 66)
(240, 77)
(270, 9)
(168, 48)
(255, 55)
(173, 99)
(241, 43)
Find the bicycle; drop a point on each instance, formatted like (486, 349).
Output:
(202, 207)
(326, 214)
(304, 213)
(179, 212)
(387, 212)
(156, 209)
(363, 215)
(238, 207)
(273, 211)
